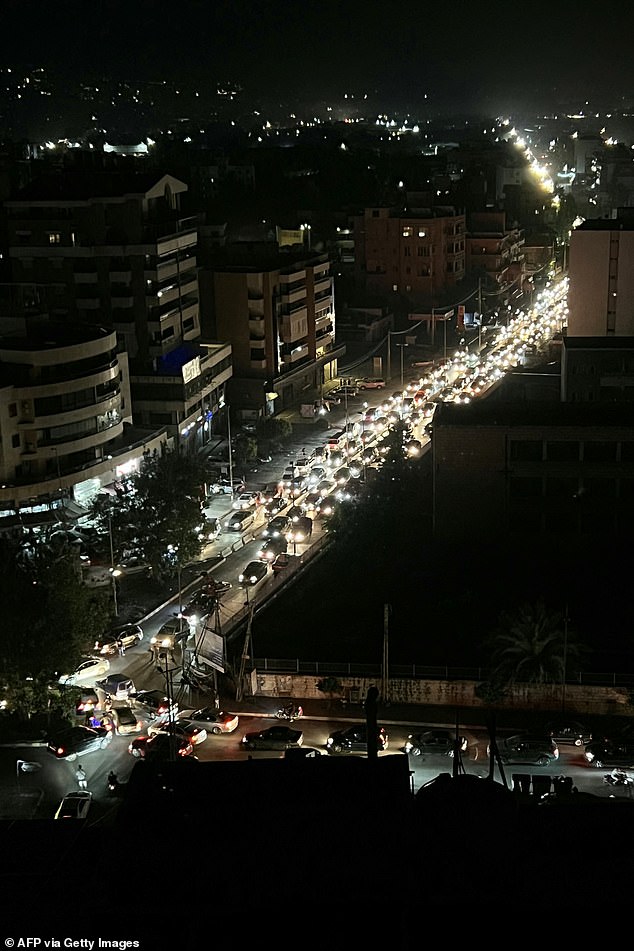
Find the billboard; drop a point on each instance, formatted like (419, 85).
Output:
(214, 649)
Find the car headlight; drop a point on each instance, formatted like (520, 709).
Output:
(408, 746)
(329, 741)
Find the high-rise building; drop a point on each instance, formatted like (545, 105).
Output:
(65, 427)
(278, 310)
(419, 252)
(111, 248)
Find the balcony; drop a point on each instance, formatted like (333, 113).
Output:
(88, 303)
(297, 354)
(120, 276)
(292, 276)
(294, 296)
(87, 277)
(292, 330)
(323, 285)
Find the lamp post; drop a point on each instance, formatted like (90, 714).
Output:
(114, 572)
(402, 348)
(230, 452)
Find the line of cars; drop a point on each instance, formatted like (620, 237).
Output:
(190, 727)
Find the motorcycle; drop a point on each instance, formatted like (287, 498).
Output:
(289, 713)
(618, 777)
(113, 784)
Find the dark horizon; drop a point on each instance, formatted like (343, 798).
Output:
(478, 60)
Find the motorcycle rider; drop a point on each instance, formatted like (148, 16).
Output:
(113, 780)
(619, 777)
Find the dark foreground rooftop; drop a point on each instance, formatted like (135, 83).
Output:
(276, 851)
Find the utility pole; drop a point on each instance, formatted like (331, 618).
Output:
(481, 315)
(230, 453)
(248, 643)
(565, 661)
(389, 354)
(385, 666)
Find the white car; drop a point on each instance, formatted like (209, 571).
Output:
(74, 805)
(194, 732)
(246, 500)
(87, 673)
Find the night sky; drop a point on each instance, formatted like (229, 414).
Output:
(463, 56)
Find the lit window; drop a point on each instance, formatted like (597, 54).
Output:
(422, 233)
(407, 232)
(54, 237)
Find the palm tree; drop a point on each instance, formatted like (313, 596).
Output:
(532, 646)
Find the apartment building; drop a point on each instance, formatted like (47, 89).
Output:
(601, 270)
(65, 423)
(419, 253)
(112, 249)
(495, 251)
(278, 310)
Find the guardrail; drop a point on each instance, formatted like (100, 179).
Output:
(420, 672)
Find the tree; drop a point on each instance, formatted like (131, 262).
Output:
(49, 619)
(157, 512)
(532, 646)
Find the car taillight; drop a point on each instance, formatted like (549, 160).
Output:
(60, 751)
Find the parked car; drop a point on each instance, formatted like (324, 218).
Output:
(225, 487)
(253, 573)
(246, 500)
(341, 393)
(600, 753)
(135, 565)
(161, 746)
(277, 527)
(117, 687)
(214, 721)
(527, 748)
(126, 635)
(87, 672)
(272, 547)
(154, 705)
(239, 521)
(434, 741)
(182, 727)
(77, 741)
(75, 805)
(370, 383)
(569, 731)
(275, 738)
(355, 739)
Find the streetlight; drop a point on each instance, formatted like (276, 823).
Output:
(114, 572)
(230, 453)
(402, 348)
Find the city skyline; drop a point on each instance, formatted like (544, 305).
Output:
(412, 55)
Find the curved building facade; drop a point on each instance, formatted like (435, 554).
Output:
(65, 415)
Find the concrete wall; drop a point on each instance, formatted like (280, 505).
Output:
(579, 699)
